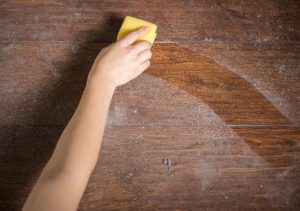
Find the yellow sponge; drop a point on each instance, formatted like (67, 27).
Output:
(130, 24)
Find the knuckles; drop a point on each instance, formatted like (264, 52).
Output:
(121, 43)
(131, 51)
(147, 44)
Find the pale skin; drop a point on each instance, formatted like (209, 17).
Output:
(64, 178)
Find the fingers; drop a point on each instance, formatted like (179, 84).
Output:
(144, 55)
(133, 36)
(143, 66)
(141, 46)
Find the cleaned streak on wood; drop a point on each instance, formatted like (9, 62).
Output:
(215, 130)
(38, 77)
(277, 79)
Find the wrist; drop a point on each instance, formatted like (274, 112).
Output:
(100, 84)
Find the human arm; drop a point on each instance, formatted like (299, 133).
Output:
(64, 178)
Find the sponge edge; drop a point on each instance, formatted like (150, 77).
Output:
(130, 24)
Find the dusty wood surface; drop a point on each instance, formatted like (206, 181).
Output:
(213, 124)
(225, 21)
(209, 167)
(40, 77)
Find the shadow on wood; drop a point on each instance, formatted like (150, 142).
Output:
(26, 149)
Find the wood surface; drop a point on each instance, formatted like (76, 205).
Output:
(92, 20)
(213, 124)
(211, 171)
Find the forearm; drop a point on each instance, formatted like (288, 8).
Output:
(65, 176)
(75, 155)
(79, 145)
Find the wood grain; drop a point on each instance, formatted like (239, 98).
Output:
(24, 152)
(41, 83)
(271, 69)
(220, 88)
(210, 167)
(225, 21)
(213, 124)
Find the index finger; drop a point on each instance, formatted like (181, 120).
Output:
(133, 36)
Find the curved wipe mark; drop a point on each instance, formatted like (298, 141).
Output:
(231, 97)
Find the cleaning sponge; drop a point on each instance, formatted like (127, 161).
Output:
(130, 24)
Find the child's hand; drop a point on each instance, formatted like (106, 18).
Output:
(121, 62)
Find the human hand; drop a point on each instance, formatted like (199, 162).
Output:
(122, 61)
